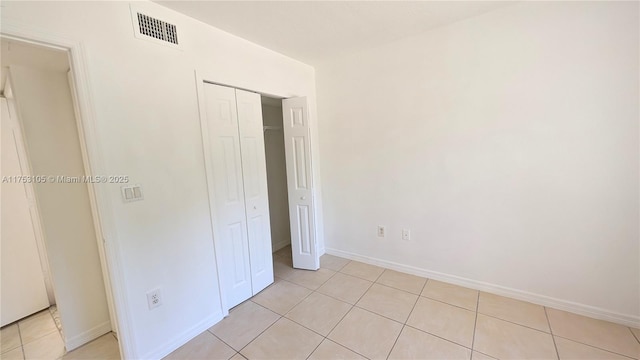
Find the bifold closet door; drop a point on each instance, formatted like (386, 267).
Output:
(297, 148)
(254, 169)
(230, 228)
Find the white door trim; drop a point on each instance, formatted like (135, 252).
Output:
(92, 155)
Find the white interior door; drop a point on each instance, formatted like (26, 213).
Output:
(22, 285)
(254, 170)
(230, 230)
(299, 181)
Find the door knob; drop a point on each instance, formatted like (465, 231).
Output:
(303, 197)
(254, 208)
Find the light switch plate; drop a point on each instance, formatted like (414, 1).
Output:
(132, 193)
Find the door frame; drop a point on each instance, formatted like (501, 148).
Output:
(101, 208)
(200, 80)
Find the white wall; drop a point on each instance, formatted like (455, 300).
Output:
(48, 121)
(507, 143)
(148, 128)
(276, 177)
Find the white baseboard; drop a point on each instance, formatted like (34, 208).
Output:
(280, 244)
(76, 341)
(565, 305)
(184, 337)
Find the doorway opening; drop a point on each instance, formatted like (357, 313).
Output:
(276, 175)
(53, 268)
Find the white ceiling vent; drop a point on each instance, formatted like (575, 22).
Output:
(148, 25)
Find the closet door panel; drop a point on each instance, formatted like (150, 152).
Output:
(254, 169)
(230, 227)
(299, 179)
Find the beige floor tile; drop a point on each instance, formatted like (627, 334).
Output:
(366, 333)
(388, 302)
(636, 332)
(310, 279)
(281, 296)
(443, 320)
(319, 313)
(402, 281)
(328, 350)
(505, 340)
(602, 334)
(519, 312)
(299, 344)
(238, 356)
(344, 287)
(332, 262)
(362, 270)
(244, 323)
(451, 294)
(571, 350)
(36, 326)
(285, 251)
(15, 354)
(480, 356)
(203, 346)
(104, 347)
(415, 344)
(48, 347)
(281, 270)
(10, 337)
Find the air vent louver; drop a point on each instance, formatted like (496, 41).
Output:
(157, 29)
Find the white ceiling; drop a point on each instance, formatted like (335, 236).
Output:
(312, 31)
(20, 53)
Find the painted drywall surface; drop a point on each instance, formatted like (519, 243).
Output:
(507, 143)
(276, 177)
(148, 127)
(51, 136)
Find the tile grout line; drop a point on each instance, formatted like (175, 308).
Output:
(458, 306)
(242, 348)
(439, 337)
(593, 346)
(347, 313)
(334, 326)
(634, 334)
(407, 319)
(262, 332)
(475, 324)
(555, 346)
(20, 337)
(511, 322)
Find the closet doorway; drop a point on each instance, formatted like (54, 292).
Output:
(237, 177)
(276, 173)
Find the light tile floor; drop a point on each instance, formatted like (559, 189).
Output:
(351, 310)
(39, 337)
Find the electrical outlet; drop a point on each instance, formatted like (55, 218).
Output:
(380, 231)
(406, 234)
(154, 298)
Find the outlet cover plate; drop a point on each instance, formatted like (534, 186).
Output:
(154, 298)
